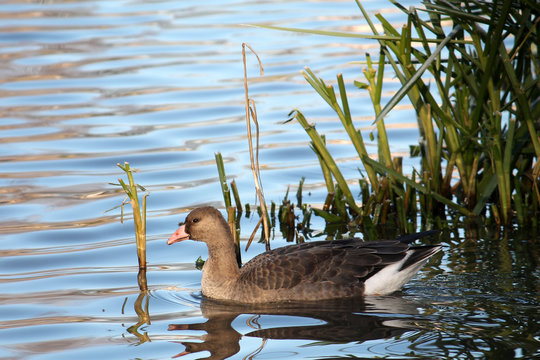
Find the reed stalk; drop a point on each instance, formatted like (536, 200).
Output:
(328, 94)
(251, 115)
(299, 192)
(231, 210)
(325, 155)
(139, 219)
(231, 219)
(139, 214)
(375, 80)
(327, 174)
(223, 180)
(236, 196)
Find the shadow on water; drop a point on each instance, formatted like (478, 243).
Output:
(336, 322)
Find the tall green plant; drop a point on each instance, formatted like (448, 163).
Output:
(482, 120)
(139, 219)
(139, 213)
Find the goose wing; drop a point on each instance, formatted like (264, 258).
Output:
(339, 262)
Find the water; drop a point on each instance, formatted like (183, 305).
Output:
(86, 85)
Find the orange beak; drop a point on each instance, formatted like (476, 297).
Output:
(179, 235)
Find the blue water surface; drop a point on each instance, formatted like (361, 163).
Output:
(85, 85)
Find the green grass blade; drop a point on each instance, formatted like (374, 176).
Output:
(523, 103)
(343, 34)
(331, 218)
(410, 83)
(327, 174)
(384, 170)
(318, 143)
(236, 196)
(223, 180)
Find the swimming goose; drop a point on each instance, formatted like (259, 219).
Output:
(308, 271)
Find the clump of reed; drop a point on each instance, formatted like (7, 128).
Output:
(482, 124)
(235, 210)
(285, 214)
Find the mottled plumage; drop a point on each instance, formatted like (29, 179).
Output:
(310, 271)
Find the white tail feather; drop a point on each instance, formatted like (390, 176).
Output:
(390, 279)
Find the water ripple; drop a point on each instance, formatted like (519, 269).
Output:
(87, 85)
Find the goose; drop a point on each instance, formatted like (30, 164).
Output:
(310, 271)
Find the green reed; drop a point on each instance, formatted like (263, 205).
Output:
(223, 180)
(139, 218)
(474, 89)
(233, 213)
(139, 214)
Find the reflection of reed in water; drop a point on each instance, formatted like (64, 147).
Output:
(142, 313)
(343, 321)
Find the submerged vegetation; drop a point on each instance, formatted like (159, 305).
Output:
(479, 119)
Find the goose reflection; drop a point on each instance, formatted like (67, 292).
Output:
(342, 321)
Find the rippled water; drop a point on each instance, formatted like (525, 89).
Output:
(85, 85)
